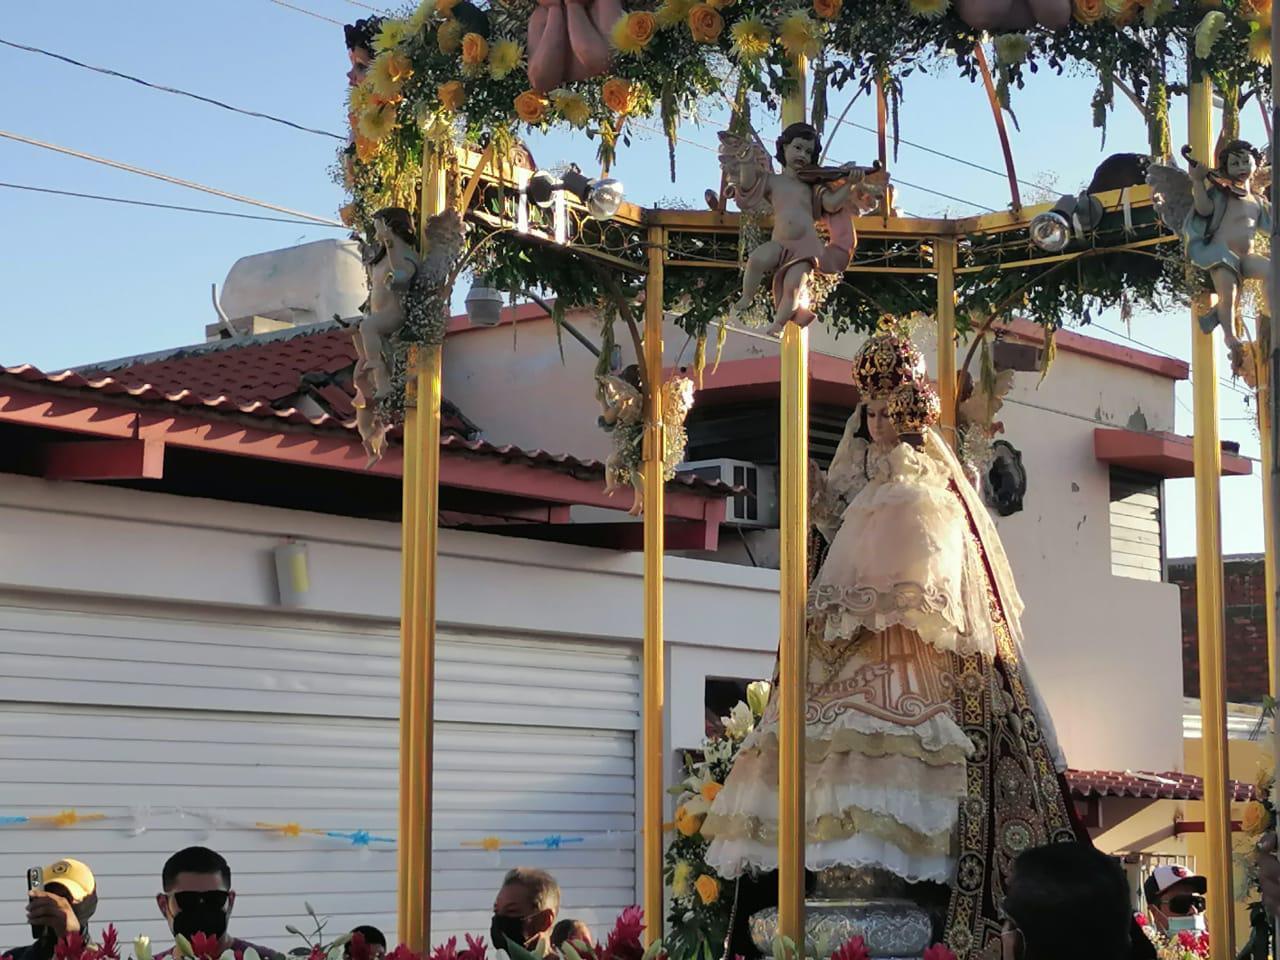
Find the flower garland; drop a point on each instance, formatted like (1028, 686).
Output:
(700, 909)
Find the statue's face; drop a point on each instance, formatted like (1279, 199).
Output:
(361, 59)
(799, 152)
(1241, 165)
(879, 424)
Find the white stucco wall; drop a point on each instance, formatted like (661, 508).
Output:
(1106, 651)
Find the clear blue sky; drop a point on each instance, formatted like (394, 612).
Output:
(86, 280)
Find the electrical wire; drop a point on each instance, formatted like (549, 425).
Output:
(189, 184)
(174, 90)
(305, 11)
(159, 206)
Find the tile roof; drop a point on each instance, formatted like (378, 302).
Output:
(1147, 786)
(268, 376)
(276, 371)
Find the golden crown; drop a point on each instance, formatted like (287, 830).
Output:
(914, 406)
(886, 361)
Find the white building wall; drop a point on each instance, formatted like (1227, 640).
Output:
(1105, 650)
(143, 638)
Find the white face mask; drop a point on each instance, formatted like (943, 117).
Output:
(1192, 924)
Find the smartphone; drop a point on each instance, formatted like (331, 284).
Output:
(35, 881)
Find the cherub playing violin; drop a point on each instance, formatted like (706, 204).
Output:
(800, 196)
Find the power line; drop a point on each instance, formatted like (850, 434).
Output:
(309, 13)
(174, 90)
(159, 206)
(189, 184)
(357, 3)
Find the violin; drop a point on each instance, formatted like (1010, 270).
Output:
(815, 174)
(1217, 179)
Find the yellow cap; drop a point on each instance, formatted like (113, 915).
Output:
(71, 874)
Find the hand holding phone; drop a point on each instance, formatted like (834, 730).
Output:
(35, 883)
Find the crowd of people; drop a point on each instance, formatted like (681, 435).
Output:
(197, 897)
(1052, 889)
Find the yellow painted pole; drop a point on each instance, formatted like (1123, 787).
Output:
(654, 517)
(944, 252)
(419, 536)
(1207, 454)
(1268, 519)
(793, 589)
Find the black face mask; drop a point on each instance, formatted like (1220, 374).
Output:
(503, 929)
(209, 920)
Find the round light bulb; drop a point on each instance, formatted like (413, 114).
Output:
(605, 199)
(1050, 231)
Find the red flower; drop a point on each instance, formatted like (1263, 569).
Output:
(445, 951)
(1187, 940)
(402, 952)
(939, 951)
(855, 949)
(624, 939)
(110, 946)
(203, 945)
(476, 949)
(358, 947)
(317, 953)
(70, 947)
(1141, 920)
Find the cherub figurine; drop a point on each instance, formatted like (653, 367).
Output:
(798, 197)
(1218, 212)
(569, 40)
(1009, 15)
(622, 414)
(392, 263)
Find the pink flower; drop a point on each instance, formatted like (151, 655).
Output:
(624, 939)
(1140, 919)
(939, 951)
(109, 949)
(446, 951)
(70, 947)
(402, 952)
(855, 949)
(476, 949)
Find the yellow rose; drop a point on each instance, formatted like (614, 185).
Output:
(618, 95)
(1088, 11)
(705, 23)
(632, 32)
(367, 149)
(827, 9)
(687, 823)
(708, 888)
(531, 107)
(1255, 818)
(452, 95)
(475, 49)
(711, 790)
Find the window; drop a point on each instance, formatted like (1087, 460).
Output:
(1137, 525)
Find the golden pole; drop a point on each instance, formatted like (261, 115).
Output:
(419, 536)
(1268, 519)
(654, 517)
(1207, 454)
(793, 589)
(944, 252)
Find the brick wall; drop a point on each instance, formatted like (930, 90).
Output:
(1246, 626)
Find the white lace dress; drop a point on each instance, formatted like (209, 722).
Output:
(901, 592)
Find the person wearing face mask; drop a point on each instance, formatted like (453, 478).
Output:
(62, 904)
(1065, 894)
(524, 912)
(198, 899)
(1175, 899)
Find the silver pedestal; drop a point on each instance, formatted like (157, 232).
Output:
(850, 903)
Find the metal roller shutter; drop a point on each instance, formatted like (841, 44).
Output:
(129, 709)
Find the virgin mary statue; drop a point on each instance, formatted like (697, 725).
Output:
(929, 755)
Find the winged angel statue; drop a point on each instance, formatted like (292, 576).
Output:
(799, 197)
(408, 301)
(1218, 212)
(622, 415)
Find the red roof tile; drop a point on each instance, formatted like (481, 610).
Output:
(275, 371)
(1147, 786)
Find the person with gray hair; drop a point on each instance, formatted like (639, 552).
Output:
(525, 910)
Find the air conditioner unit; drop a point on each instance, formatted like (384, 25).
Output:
(757, 504)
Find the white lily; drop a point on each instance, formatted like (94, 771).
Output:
(142, 948)
(739, 722)
(758, 696)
